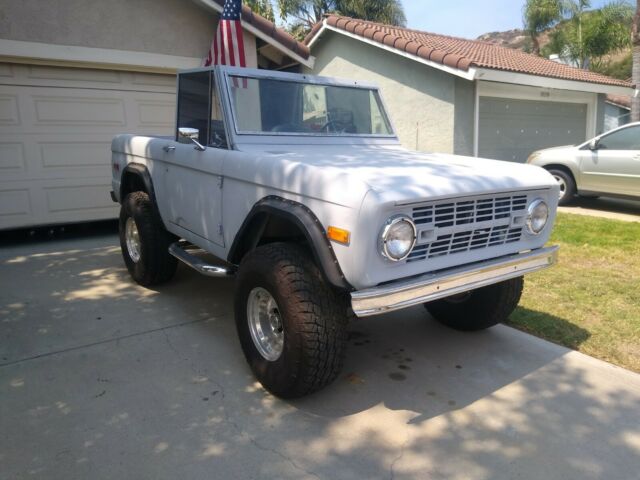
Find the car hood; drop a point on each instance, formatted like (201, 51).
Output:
(554, 150)
(401, 175)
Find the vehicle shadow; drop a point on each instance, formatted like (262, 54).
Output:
(549, 327)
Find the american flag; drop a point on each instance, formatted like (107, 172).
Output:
(227, 47)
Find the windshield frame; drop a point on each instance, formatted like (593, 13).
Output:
(228, 72)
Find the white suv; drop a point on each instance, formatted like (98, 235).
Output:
(607, 165)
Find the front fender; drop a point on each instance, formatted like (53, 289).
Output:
(249, 233)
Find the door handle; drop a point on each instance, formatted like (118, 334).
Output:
(169, 148)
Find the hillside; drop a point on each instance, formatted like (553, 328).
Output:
(515, 38)
(618, 65)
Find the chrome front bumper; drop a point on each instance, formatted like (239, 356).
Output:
(432, 286)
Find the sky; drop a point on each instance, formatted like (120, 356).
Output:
(467, 18)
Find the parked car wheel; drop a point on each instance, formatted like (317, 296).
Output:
(478, 309)
(145, 242)
(291, 323)
(567, 186)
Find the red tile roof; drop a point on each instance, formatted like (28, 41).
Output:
(460, 53)
(269, 29)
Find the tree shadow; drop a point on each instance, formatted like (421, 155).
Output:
(137, 383)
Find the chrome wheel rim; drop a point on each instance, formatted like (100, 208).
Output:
(265, 324)
(563, 186)
(132, 239)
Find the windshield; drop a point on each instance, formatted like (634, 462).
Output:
(263, 105)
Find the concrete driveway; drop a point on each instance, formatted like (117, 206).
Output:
(100, 378)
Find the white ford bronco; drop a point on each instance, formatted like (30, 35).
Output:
(299, 187)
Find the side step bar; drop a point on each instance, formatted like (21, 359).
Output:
(179, 251)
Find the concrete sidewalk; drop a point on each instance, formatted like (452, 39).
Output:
(100, 378)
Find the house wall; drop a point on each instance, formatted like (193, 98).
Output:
(464, 119)
(420, 99)
(172, 27)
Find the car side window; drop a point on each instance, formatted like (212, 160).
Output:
(199, 107)
(625, 139)
(193, 103)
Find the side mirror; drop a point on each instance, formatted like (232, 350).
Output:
(190, 135)
(593, 144)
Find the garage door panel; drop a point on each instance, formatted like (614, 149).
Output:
(147, 79)
(74, 154)
(47, 76)
(55, 138)
(12, 158)
(156, 113)
(6, 70)
(9, 112)
(40, 110)
(37, 156)
(70, 110)
(15, 202)
(74, 198)
(512, 129)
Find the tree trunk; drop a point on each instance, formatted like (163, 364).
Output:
(635, 101)
(535, 43)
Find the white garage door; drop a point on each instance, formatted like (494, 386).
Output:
(56, 126)
(512, 129)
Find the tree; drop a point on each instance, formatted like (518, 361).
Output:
(538, 16)
(589, 36)
(635, 101)
(585, 36)
(262, 7)
(302, 15)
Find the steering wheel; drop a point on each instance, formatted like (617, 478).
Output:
(334, 126)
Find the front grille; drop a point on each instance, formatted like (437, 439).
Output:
(449, 227)
(467, 240)
(469, 211)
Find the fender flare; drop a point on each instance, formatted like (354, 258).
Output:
(249, 234)
(142, 172)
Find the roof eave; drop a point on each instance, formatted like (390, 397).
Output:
(477, 73)
(307, 62)
(503, 76)
(624, 107)
(466, 74)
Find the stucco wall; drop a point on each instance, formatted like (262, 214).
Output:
(420, 99)
(465, 103)
(173, 27)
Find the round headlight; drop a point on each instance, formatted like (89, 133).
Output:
(537, 216)
(398, 238)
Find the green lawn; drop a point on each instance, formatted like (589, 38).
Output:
(589, 301)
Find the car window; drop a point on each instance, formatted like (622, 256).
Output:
(625, 139)
(199, 107)
(263, 106)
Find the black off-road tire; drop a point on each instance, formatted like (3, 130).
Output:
(313, 316)
(156, 265)
(478, 309)
(570, 186)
